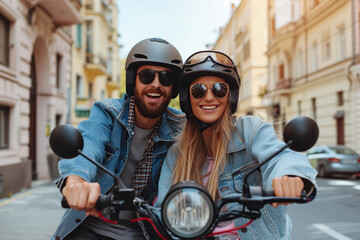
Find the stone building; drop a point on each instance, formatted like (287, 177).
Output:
(310, 53)
(95, 57)
(244, 38)
(35, 74)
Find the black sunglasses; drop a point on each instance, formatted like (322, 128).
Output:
(215, 56)
(218, 90)
(147, 76)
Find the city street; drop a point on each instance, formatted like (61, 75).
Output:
(32, 214)
(334, 214)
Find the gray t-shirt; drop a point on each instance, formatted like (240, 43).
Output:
(124, 230)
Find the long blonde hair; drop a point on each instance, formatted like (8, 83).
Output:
(193, 150)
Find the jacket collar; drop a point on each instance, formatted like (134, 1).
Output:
(165, 132)
(237, 142)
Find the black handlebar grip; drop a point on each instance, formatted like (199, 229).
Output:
(268, 193)
(258, 191)
(103, 201)
(64, 203)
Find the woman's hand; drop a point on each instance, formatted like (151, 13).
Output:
(81, 195)
(287, 186)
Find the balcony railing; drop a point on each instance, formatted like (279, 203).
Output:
(95, 59)
(283, 84)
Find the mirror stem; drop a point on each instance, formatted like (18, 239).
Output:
(98, 165)
(246, 189)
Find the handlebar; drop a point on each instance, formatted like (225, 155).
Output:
(103, 201)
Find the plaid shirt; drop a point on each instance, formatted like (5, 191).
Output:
(144, 166)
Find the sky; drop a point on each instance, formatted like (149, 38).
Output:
(187, 24)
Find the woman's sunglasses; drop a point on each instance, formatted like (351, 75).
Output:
(147, 76)
(218, 90)
(216, 57)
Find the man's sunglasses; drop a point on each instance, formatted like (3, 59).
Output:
(147, 76)
(215, 56)
(218, 90)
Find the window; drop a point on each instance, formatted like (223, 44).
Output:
(341, 44)
(300, 64)
(246, 51)
(109, 61)
(58, 70)
(326, 46)
(313, 108)
(299, 108)
(4, 126)
(314, 57)
(4, 40)
(78, 35)
(58, 119)
(340, 98)
(273, 28)
(90, 90)
(89, 38)
(79, 86)
(281, 71)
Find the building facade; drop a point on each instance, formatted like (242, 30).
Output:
(355, 69)
(245, 39)
(310, 53)
(95, 58)
(35, 74)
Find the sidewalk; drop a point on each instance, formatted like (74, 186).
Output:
(31, 214)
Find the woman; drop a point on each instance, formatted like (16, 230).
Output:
(216, 150)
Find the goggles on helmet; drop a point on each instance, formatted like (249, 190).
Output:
(216, 57)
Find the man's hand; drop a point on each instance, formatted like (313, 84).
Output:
(81, 195)
(287, 186)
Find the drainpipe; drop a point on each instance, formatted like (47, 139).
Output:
(349, 76)
(306, 42)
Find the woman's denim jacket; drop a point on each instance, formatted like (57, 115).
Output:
(107, 136)
(253, 141)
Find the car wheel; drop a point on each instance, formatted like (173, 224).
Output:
(322, 172)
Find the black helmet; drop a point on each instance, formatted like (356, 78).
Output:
(208, 63)
(152, 51)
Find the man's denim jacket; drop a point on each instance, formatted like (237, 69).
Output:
(253, 141)
(107, 137)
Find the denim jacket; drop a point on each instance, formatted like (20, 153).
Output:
(252, 142)
(107, 137)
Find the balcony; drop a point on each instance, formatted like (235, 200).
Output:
(95, 64)
(111, 85)
(283, 84)
(63, 12)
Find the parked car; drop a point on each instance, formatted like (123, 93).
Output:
(329, 160)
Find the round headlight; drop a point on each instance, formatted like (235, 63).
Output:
(188, 210)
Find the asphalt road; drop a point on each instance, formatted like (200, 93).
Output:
(34, 214)
(334, 214)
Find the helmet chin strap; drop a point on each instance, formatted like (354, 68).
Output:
(201, 125)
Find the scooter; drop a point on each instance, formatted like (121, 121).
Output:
(188, 211)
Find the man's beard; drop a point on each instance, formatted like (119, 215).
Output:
(150, 112)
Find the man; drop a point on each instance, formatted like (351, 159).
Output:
(130, 137)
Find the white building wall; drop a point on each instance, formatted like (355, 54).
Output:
(43, 40)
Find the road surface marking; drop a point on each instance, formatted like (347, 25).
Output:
(16, 197)
(331, 232)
